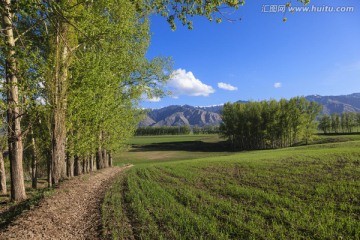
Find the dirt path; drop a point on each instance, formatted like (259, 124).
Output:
(73, 212)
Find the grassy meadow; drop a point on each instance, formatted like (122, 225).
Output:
(205, 192)
(155, 149)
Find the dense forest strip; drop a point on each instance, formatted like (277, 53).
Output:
(73, 212)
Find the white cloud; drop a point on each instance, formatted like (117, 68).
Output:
(147, 98)
(227, 86)
(185, 83)
(153, 99)
(277, 85)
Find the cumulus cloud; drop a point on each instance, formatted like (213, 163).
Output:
(227, 86)
(277, 85)
(185, 83)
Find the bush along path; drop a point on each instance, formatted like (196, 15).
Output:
(72, 212)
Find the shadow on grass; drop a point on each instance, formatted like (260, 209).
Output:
(339, 134)
(190, 146)
(225, 146)
(9, 215)
(331, 138)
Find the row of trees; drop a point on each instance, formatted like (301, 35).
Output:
(336, 123)
(269, 124)
(211, 129)
(72, 74)
(164, 130)
(175, 130)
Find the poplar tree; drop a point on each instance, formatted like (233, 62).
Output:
(335, 122)
(325, 123)
(108, 78)
(11, 72)
(3, 145)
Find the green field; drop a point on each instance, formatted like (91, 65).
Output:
(155, 149)
(306, 192)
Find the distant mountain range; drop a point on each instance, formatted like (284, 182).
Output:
(337, 104)
(175, 115)
(182, 115)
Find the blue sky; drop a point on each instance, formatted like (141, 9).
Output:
(260, 56)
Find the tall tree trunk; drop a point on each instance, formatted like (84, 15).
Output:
(60, 102)
(78, 166)
(84, 165)
(70, 166)
(99, 154)
(99, 159)
(91, 163)
(94, 163)
(105, 159)
(3, 189)
(49, 171)
(13, 112)
(87, 164)
(34, 162)
(110, 160)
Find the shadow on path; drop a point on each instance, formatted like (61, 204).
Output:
(10, 214)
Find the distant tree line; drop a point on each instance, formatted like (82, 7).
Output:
(164, 130)
(206, 130)
(176, 130)
(269, 124)
(336, 123)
